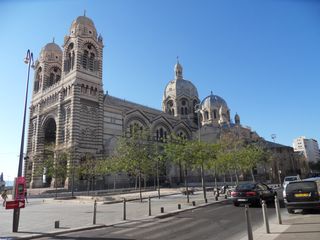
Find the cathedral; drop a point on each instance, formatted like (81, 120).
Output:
(71, 110)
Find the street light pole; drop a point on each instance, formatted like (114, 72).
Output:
(16, 212)
(197, 106)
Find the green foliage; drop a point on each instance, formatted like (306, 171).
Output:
(132, 154)
(180, 151)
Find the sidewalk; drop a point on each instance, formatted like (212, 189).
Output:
(294, 227)
(39, 216)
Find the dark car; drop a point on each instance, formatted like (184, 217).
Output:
(303, 195)
(252, 193)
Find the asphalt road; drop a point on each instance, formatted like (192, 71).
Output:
(218, 221)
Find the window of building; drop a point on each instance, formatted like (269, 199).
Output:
(89, 58)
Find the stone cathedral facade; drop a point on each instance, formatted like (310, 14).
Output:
(70, 110)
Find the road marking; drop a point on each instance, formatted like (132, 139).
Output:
(181, 227)
(142, 228)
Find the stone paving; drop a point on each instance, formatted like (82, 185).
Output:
(40, 215)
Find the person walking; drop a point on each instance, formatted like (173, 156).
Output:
(4, 196)
(26, 196)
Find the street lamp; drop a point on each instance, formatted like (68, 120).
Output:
(16, 212)
(279, 176)
(197, 110)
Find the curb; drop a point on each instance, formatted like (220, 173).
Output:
(159, 216)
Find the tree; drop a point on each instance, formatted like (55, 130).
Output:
(201, 153)
(250, 156)
(53, 165)
(132, 154)
(180, 151)
(89, 168)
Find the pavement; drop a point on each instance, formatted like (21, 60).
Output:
(40, 215)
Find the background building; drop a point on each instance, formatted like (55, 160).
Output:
(309, 147)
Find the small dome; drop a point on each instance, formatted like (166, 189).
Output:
(83, 26)
(213, 102)
(51, 52)
(52, 47)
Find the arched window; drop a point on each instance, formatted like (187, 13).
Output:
(214, 113)
(135, 128)
(69, 61)
(182, 134)
(89, 58)
(161, 134)
(38, 80)
(54, 76)
(170, 108)
(184, 106)
(206, 115)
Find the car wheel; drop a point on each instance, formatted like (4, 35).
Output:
(291, 211)
(236, 204)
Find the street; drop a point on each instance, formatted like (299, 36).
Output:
(218, 221)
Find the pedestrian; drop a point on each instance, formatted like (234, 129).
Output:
(26, 196)
(4, 196)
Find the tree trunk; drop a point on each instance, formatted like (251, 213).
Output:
(158, 179)
(140, 192)
(253, 179)
(236, 174)
(186, 183)
(203, 184)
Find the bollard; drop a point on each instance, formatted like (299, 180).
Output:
(56, 224)
(149, 200)
(265, 216)
(162, 209)
(277, 205)
(124, 209)
(193, 203)
(179, 206)
(206, 200)
(249, 227)
(94, 211)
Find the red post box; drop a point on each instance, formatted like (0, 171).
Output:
(20, 188)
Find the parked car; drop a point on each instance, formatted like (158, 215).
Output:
(288, 179)
(303, 194)
(252, 193)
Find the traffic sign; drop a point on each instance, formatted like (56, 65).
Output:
(15, 204)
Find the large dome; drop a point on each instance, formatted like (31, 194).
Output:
(213, 102)
(180, 87)
(83, 26)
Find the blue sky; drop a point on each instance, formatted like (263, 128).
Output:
(261, 56)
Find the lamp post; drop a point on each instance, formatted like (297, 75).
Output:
(16, 212)
(197, 110)
(279, 176)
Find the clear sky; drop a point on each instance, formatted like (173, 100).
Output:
(261, 56)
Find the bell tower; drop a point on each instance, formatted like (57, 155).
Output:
(81, 113)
